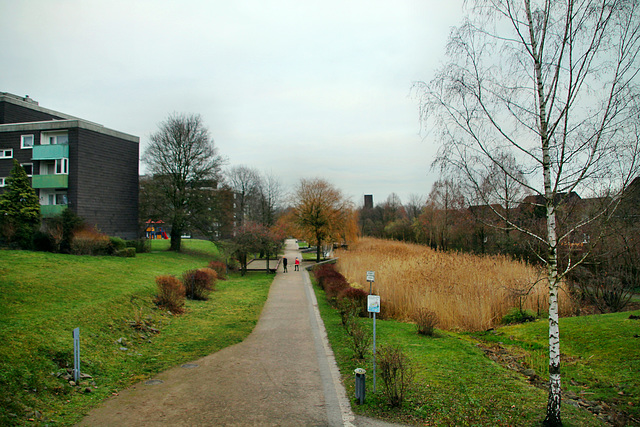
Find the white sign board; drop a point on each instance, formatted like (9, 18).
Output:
(371, 276)
(373, 303)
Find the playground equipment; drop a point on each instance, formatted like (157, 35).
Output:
(154, 230)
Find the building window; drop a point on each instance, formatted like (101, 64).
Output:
(62, 166)
(2, 184)
(6, 153)
(51, 198)
(28, 168)
(26, 141)
(54, 138)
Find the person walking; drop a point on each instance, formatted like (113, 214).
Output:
(297, 264)
(284, 263)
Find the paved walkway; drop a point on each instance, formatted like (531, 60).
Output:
(283, 374)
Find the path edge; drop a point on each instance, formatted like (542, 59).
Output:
(328, 362)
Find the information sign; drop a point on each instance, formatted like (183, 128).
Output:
(373, 303)
(371, 276)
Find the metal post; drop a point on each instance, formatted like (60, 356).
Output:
(76, 354)
(360, 385)
(374, 352)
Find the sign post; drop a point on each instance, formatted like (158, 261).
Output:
(76, 354)
(371, 277)
(373, 306)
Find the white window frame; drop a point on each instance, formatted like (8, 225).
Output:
(4, 151)
(2, 182)
(25, 164)
(64, 166)
(23, 145)
(51, 138)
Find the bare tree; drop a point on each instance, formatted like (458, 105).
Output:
(555, 85)
(502, 184)
(414, 206)
(184, 162)
(268, 199)
(244, 181)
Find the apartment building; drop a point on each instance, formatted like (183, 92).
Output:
(72, 163)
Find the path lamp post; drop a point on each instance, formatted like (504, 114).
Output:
(360, 385)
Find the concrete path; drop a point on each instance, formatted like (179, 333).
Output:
(283, 374)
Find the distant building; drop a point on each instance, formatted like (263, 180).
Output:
(368, 201)
(72, 163)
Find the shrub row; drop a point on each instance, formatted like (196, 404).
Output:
(195, 285)
(395, 367)
(339, 292)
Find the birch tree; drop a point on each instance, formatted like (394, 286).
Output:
(555, 85)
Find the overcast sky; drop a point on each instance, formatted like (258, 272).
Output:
(300, 89)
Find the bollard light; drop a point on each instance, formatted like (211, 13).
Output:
(360, 385)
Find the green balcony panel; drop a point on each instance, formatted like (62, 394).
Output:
(50, 181)
(50, 152)
(49, 211)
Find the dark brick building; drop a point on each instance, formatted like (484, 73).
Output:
(73, 163)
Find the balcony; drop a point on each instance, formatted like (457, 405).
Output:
(49, 211)
(50, 152)
(50, 181)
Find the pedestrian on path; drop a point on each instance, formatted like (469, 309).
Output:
(284, 263)
(297, 264)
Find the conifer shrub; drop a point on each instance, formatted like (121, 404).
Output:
(197, 284)
(171, 294)
(220, 268)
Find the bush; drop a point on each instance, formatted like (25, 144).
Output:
(117, 244)
(88, 241)
(327, 273)
(426, 321)
(126, 253)
(43, 242)
(361, 338)
(197, 284)
(357, 298)
(347, 309)
(396, 373)
(331, 281)
(171, 294)
(213, 276)
(516, 315)
(220, 268)
(142, 246)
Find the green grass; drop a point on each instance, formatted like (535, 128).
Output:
(188, 246)
(455, 383)
(44, 296)
(600, 355)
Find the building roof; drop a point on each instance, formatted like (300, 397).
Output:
(65, 121)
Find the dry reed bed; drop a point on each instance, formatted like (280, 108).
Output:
(467, 292)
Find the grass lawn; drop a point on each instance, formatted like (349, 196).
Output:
(600, 355)
(456, 384)
(44, 296)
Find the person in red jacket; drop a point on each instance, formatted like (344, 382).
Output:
(297, 264)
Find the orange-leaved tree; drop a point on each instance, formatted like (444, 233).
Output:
(323, 214)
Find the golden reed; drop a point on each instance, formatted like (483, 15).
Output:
(467, 292)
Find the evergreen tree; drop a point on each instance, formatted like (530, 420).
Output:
(19, 208)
